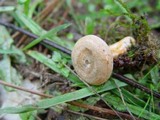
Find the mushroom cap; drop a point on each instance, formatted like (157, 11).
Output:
(92, 60)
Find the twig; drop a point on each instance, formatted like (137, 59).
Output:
(47, 42)
(67, 51)
(86, 115)
(24, 89)
(101, 110)
(21, 40)
(135, 84)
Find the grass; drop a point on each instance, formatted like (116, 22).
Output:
(117, 95)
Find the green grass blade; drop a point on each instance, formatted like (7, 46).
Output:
(51, 32)
(52, 65)
(7, 9)
(49, 63)
(28, 22)
(7, 72)
(7, 51)
(32, 8)
(144, 108)
(79, 94)
(137, 110)
(145, 77)
(26, 7)
(17, 110)
(130, 98)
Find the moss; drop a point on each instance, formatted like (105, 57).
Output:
(147, 46)
(140, 29)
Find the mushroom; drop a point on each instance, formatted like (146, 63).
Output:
(93, 59)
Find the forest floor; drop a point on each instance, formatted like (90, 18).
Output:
(37, 77)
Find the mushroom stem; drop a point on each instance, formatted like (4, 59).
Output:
(121, 46)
